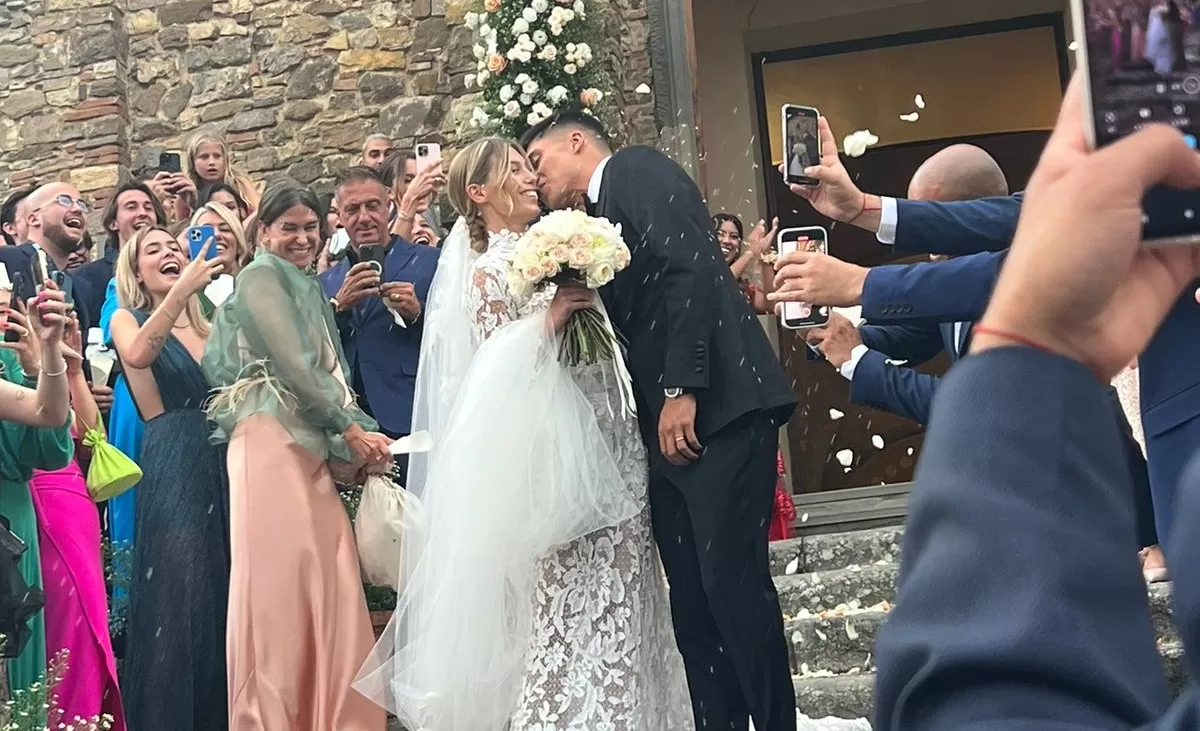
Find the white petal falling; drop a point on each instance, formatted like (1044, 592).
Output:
(1073, 46)
(877, 441)
(643, 88)
(845, 457)
(834, 414)
(856, 143)
(919, 101)
(792, 567)
(910, 117)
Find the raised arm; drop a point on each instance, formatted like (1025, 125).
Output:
(956, 290)
(899, 390)
(956, 228)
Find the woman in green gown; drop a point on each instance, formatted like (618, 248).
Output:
(34, 434)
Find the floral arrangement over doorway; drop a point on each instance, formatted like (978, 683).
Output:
(533, 58)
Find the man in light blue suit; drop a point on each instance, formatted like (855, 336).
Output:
(1170, 380)
(379, 315)
(1020, 603)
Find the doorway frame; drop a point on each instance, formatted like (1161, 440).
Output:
(874, 505)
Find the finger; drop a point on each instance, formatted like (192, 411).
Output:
(829, 145)
(21, 331)
(693, 441)
(804, 191)
(817, 336)
(1070, 128)
(1158, 155)
(684, 449)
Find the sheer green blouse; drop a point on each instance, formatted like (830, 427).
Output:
(274, 349)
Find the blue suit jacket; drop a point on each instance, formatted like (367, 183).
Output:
(929, 293)
(1170, 382)
(381, 352)
(1021, 604)
(902, 390)
(20, 259)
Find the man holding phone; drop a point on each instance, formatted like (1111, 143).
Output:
(378, 292)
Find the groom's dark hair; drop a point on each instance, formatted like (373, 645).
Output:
(566, 119)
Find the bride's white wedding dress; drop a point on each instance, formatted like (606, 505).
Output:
(602, 655)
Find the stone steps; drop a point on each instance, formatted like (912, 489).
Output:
(835, 592)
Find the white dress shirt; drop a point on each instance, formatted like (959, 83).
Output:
(593, 189)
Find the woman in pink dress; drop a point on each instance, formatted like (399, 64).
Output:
(76, 609)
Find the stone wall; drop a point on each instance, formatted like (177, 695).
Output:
(92, 88)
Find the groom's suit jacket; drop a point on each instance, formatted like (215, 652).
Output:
(686, 322)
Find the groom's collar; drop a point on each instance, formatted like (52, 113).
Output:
(593, 189)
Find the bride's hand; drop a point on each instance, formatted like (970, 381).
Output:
(369, 447)
(569, 299)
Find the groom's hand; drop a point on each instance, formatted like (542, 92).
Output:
(677, 431)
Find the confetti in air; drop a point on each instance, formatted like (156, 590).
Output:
(1073, 46)
(643, 88)
(856, 143)
(845, 457)
(910, 117)
(919, 101)
(792, 566)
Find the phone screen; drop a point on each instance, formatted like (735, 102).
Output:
(170, 162)
(801, 143)
(1143, 69)
(197, 236)
(802, 315)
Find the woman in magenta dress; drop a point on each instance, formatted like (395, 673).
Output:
(76, 609)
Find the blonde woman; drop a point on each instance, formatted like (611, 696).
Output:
(563, 623)
(231, 247)
(175, 641)
(207, 162)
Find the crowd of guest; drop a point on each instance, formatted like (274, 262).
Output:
(165, 353)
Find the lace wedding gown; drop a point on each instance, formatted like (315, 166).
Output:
(603, 654)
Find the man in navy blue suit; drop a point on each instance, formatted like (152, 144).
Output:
(1170, 382)
(379, 314)
(958, 172)
(1020, 603)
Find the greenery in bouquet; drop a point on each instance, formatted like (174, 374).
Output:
(571, 247)
(533, 58)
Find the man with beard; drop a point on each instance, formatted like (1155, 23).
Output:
(711, 396)
(57, 218)
(378, 292)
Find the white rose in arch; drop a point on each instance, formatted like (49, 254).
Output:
(540, 37)
(529, 14)
(526, 99)
(520, 26)
(570, 69)
(506, 92)
(521, 78)
(540, 6)
(512, 110)
(579, 8)
(856, 143)
(549, 53)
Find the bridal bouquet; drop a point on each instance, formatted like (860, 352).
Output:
(571, 247)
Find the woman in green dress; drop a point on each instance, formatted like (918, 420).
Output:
(35, 433)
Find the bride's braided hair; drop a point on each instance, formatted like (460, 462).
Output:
(483, 162)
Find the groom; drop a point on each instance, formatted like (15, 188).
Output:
(711, 397)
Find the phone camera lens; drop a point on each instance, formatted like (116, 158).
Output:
(422, 150)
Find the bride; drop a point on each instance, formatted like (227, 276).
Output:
(531, 593)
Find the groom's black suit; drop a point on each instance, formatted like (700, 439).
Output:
(688, 326)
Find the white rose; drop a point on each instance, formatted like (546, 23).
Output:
(600, 275)
(529, 14)
(533, 118)
(584, 49)
(480, 115)
(540, 6)
(519, 26)
(482, 77)
(557, 94)
(506, 92)
(530, 87)
(521, 78)
(579, 8)
(479, 51)
(542, 109)
(512, 109)
(571, 48)
(856, 143)
(540, 37)
(526, 99)
(570, 69)
(549, 53)
(485, 30)
(471, 20)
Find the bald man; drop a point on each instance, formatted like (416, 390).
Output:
(861, 355)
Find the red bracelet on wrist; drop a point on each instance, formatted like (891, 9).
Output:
(1015, 337)
(864, 209)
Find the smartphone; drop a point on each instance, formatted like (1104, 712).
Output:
(373, 255)
(802, 315)
(428, 155)
(170, 162)
(197, 236)
(40, 271)
(801, 143)
(1123, 94)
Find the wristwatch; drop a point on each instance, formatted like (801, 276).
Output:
(672, 393)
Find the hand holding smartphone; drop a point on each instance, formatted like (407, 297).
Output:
(801, 143)
(803, 315)
(428, 155)
(197, 237)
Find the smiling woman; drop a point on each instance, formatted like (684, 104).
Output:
(290, 418)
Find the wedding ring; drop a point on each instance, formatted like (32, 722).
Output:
(679, 440)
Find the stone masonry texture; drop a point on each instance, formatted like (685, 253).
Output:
(92, 89)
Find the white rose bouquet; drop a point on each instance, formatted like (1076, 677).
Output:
(571, 247)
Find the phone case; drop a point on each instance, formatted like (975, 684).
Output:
(785, 244)
(783, 113)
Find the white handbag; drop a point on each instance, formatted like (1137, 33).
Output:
(385, 512)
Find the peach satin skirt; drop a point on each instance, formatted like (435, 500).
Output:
(298, 623)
